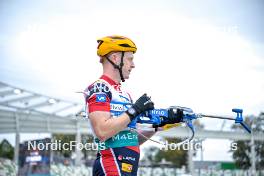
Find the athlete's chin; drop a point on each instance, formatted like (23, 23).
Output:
(127, 77)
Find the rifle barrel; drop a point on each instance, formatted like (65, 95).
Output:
(217, 117)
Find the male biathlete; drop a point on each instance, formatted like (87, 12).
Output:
(111, 109)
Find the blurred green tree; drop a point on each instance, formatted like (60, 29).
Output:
(243, 152)
(6, 150)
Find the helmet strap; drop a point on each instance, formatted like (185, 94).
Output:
(120, 66)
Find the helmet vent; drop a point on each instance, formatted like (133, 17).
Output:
(125, 45)
(99, 43)
(117, 37)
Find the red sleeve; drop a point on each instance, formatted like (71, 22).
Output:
(93, 105)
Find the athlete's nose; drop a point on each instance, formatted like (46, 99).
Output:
(132, 64)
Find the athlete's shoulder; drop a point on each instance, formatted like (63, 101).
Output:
(99, 87)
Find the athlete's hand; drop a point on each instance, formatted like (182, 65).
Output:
(175, 115)
(143, 104)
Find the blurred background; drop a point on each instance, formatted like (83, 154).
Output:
(206, 55)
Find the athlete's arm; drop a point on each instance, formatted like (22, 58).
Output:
(106, 126)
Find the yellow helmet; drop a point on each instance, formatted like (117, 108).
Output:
(115, 43)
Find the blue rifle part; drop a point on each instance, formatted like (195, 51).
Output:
(158, 116)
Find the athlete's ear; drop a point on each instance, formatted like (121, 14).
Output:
(115, 57)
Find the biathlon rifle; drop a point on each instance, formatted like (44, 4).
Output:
(156, 117)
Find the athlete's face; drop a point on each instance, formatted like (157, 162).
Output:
(128, 64)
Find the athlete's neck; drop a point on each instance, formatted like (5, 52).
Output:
(113, 75)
